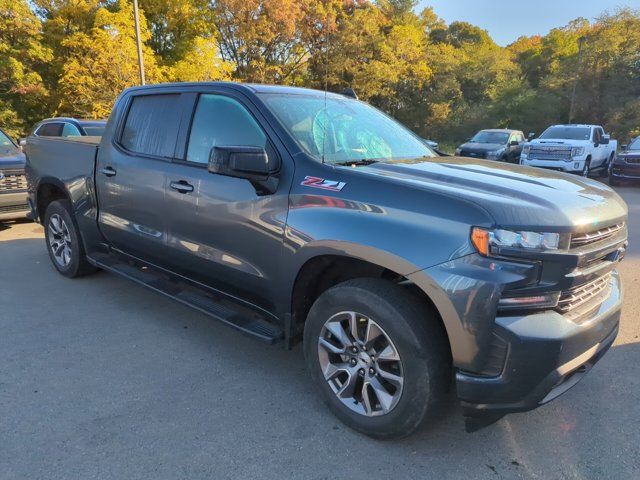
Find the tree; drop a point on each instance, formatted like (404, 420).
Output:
(102, 62)
(22, 56)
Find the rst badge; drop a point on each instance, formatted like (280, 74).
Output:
(323, 183)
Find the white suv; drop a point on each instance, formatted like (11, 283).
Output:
(571, 148)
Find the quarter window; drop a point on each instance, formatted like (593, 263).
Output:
(221, 121)
(151, 127)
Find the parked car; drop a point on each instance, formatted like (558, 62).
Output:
(435, 147)
(68, 127)
(294, 215)
(626, 164)
(502, 145)
(13, 184)
(580, 149)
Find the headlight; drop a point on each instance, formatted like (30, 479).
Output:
(458, 151)
(577, 151)
(526, 149)
(495, 153)
(487, 241)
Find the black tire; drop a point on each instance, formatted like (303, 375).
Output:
(77, 260)
(587, 168)
(604, 170)
(420, 341)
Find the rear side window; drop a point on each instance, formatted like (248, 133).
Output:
(50, 130)
(151, 127)
(222, 121)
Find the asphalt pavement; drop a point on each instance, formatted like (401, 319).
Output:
(101, 378)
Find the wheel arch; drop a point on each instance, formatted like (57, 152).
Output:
(49, 190)
(324, 269)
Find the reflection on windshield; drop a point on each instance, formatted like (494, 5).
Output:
(634, 145)
(347, 131)
(566, 133)
(490, 137)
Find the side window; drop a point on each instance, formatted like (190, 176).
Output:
(596, 135)
(152, 125)
(221, 121)
(520, 137)
(70, 130)
(53, 129)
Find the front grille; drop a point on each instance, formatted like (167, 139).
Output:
(580, 239)
(14, 208)
(467, 153)
(13, 182)
(550, 153)
(578, 296)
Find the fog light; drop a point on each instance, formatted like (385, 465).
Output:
(547, 300)
(576, 165)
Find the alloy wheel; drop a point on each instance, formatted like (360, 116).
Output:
(59, 240)
(360, 363)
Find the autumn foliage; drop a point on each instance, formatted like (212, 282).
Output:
(73, 57)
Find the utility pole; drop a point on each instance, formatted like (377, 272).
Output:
(136, 17)
(575, 82)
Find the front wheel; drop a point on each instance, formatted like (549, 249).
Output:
(379, 357)
(63, 241)
(587, 168)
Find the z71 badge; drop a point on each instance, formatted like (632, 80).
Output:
(323, 183)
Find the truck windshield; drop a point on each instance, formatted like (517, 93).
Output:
(6, 145)
(634, 145)
(484, 136)
(345, 130)
(567, 133)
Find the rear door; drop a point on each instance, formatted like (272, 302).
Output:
(131, 173)
(222, 232)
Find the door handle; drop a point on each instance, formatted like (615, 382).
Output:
(108, 171)
(181, 186)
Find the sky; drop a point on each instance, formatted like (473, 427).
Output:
(506, 20)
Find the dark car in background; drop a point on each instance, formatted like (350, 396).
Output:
(69, 127)
(626, 165)
(13, 185)
(495, 144)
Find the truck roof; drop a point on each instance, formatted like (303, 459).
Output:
(575, 125)
(254, 88)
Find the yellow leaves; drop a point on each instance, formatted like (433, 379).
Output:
(201, 63)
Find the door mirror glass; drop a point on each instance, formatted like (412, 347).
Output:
(531, 136)
(513, 143)
(252, 163)
(604, 140)
(624, 147)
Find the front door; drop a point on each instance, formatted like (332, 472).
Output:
(130, 177)
(221, 231)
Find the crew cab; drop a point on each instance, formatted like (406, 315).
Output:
(13, 183)
(579, 149)
(295, 215)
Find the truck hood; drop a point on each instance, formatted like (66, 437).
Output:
(568, 143)
(11, 159)
(515, 196)
(481, 147)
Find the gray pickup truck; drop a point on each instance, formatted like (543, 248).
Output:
(13, 183)
(297, 215)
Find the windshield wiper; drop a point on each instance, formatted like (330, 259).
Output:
(356, 163)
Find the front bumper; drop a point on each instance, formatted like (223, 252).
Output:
(546, 354)
(575, 165)
(13, 205)
(625, 171)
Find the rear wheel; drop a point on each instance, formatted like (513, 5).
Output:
(378, 356)
(63, 241)
(605, 167)
(613, 182)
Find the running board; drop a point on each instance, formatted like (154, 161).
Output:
(240, 317)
